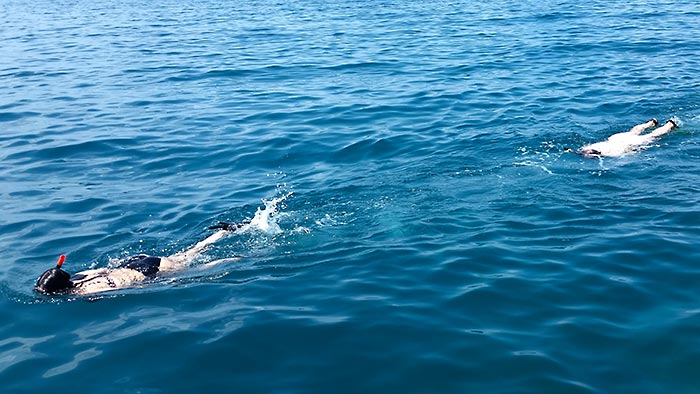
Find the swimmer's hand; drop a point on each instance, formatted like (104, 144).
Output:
(229, 226)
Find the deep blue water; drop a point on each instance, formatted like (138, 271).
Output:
(435, 239)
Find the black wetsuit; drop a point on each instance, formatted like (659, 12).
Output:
(147, 265)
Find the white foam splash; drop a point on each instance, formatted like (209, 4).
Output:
(266, 219)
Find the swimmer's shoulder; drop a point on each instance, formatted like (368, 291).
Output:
(82, 276)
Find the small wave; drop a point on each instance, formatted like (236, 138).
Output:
(193, 75)
(12, 116)
(359, 65)
(278, 71)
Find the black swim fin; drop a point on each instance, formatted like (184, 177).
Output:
(228, 226)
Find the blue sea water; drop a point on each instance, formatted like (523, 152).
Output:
(429, 235)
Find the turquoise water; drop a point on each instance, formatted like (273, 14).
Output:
(430, 236)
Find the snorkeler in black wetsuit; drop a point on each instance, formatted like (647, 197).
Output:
(130, 271)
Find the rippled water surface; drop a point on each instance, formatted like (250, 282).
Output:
(430, 235)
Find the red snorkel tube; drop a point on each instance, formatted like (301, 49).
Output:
(61, 259)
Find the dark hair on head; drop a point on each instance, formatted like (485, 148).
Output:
(53, 281)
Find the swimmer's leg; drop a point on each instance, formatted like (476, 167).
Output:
(182, 259)
(217, 262)
(668, 126)
(229, 225)
(638, 129)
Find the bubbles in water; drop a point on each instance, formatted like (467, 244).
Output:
(539, 157)
(326, 220)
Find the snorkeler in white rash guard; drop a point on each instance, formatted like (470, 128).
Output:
(631, 141)
(130, 271)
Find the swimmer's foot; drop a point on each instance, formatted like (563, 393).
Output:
(590, 153)
(229, 226)
(675, 125)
